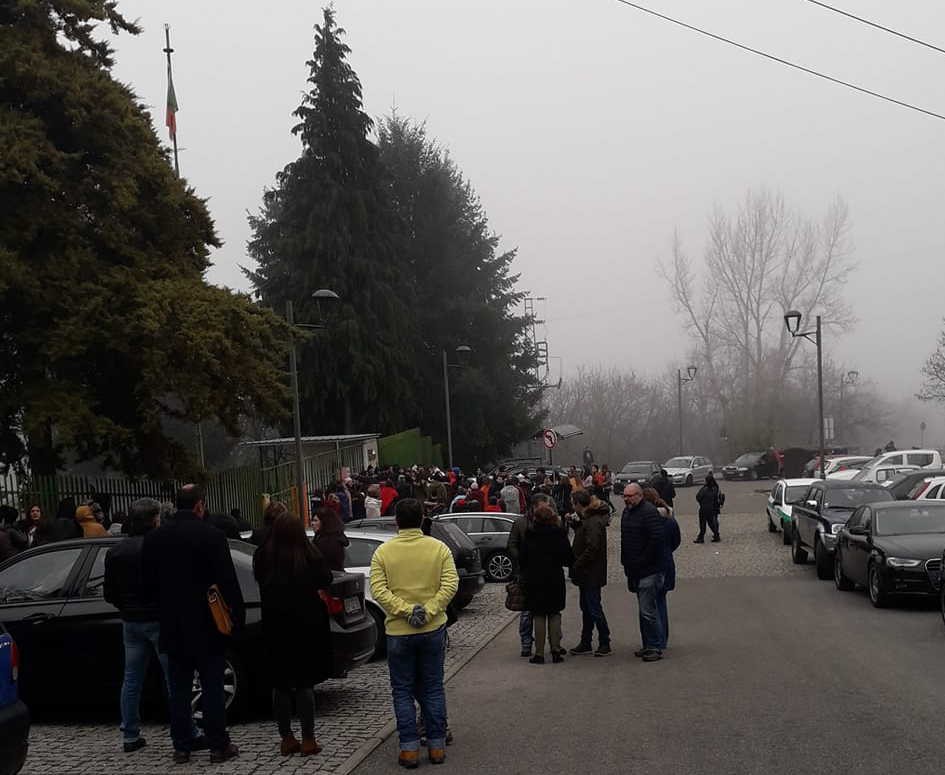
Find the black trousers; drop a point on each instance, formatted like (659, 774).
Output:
(712, 520)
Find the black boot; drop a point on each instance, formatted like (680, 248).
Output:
(699, 540)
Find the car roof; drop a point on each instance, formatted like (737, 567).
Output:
(374, 535)
(906, 505)
(798, 482)
(451, 515)
(640, 463)
(845, 484)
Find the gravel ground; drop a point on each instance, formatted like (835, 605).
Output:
(349, 713)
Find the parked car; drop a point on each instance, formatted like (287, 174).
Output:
(781, 501)
(362, 543)
(640, 471)
(920, 458)
(752, 465)
(70, 637)
(816, 521)
(14, 717)
(688, 470)
(845, 462)
(892, 549)
(932, 489)
(465, 554)
(490, 533)
(909, 486)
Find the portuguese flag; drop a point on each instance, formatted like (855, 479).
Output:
(170, 119)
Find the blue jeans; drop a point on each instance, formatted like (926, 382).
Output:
(141, 640)
(592, 613)
(664, 617)
(525, 630)
(649, 589)
(212, 701)
(416, 673)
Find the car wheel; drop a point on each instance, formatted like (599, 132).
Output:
(786, 534)
(822, 560)
(839, 577)
(380, 647)
(874, 585)
(798, 553)
(689, 481)
(771, 525)
(235, 689)
(499, 567)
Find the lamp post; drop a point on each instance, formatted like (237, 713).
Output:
(461, 350)
(850, 379)
(321, 295)
(792, 320)
(691, 375)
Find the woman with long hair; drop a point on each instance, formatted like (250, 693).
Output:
(330, 537)
(290, 571)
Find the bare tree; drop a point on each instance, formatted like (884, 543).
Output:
(933, 389)
(759, 262)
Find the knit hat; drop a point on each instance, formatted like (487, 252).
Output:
(84, 514)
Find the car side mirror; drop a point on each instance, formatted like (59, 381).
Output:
(811, 503)
(858, 530)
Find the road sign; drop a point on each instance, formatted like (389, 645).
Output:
(550, 438)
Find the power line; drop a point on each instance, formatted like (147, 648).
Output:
(877, 26)
(774, 58)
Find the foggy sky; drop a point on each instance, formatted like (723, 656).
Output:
(591, 132)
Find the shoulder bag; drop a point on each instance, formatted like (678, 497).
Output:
(219, 610)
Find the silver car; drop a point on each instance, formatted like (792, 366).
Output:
(688, 469)
(490, 533)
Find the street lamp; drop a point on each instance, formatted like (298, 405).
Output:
(691, 375)
(461, 350)
(850, 379)
(792, 320)
(323, 295)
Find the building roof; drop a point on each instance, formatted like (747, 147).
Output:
(350, 439)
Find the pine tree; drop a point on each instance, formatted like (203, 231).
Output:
(328, 224)
(107, 326)
(466, 296)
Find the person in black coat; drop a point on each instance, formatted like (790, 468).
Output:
(291, 570)
(642, 554)
(710, 504)
(589, 570)
(180, 562)
(330, 538)
(663, 484)
(543, 556)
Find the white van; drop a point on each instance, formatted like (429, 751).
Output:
(919, 458)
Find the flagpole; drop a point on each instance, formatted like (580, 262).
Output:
(169, 51)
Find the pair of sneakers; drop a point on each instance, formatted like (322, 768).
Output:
(603, 650)
(649, 655)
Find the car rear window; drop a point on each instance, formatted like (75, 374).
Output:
(454, 536)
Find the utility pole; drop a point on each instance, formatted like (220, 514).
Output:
(820, 396)
(449, 421)
(297, 420)
(680, 379)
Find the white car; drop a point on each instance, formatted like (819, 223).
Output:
(884, 475)
(688, 469)
(362, 543)
(846, 462)
(934, 489)
(900, 459)
(782, 497)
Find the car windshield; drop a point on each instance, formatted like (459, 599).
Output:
(636, 468)
(748, 459)
(851, 498)
(795, 493)
(918, 519)
(678, 462)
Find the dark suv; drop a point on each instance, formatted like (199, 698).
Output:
(639, 471)
(818, 518)
(465, 554)
(752, 465)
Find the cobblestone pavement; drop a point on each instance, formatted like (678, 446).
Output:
(350, 712)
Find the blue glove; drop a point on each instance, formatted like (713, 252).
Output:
(418, 617)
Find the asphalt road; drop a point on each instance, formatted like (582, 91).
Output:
(769, 671)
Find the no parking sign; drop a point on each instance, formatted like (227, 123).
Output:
(550, 438)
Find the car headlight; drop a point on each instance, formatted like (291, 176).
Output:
(902, 562)
(836, 527)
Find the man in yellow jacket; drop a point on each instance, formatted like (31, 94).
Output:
(413, 578)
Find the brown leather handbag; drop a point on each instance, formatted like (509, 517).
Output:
(219, 610)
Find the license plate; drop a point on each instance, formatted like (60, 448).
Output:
(352, 605)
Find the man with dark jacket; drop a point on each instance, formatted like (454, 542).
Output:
(181, 561)
(514, 547)
(124, 589)
(589, 571)
(642, 552)
(663, 484)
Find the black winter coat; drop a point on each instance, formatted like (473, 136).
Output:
(642, 541)
(124, 584)
(590, 548)
(296, 629)
(332, 546)
(709, 502)
(543, 556)
(179, 563)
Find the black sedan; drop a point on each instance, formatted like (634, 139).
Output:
(892, 549)
(752, 465)
(639, 471)
(70, 638)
